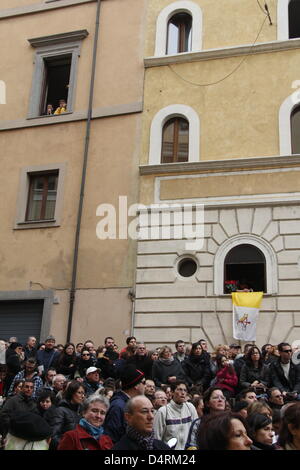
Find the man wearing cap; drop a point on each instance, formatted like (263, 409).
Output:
(48, 357)
(91, 381)
(139, 435)
(132, 384)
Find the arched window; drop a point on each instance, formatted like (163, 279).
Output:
(295, 128)
(174, 135)
(294, 19)
(246, 265)
(175, 141)
(289, 122)
(178, 28)
(239, 256)
(179, 33)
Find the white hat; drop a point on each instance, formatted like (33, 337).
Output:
(90, 370)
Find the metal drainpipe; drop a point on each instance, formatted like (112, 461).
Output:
(83, 174)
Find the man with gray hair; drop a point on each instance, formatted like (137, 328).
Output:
(139, 414)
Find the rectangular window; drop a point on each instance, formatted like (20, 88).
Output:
(56, 82)
(55, 72)
(42, 196)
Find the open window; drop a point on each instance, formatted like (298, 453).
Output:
(55, 71)
(294, 19)
(175, 141)
(295, 127)
(244, 267)
(56, 80)
(179, 38)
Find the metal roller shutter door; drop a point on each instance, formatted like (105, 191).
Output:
(21, 318)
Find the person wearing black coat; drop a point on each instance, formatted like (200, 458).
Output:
(14, 362)
(22, 402)
(67, 361)
(196, 367)
(277, 371)
(139, 432)
(254, 372)
(141, 360)
(84, 362)
(167, 369)
(68, 413)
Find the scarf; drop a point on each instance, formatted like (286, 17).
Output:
(144, 442)
(90, 429)
(167, 362)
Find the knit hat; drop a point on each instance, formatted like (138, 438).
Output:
(50, 338)
(130, 376)
(29, 426)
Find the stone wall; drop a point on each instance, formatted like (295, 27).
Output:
(169, 307)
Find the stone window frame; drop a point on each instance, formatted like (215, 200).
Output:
(49, 47)
(21, 222)
(157, 124)
(184, 6)
(285, 111)
(262, 245)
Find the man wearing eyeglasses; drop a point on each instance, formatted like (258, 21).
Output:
(275, 398)
(284, 374)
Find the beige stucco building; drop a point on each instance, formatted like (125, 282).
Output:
(195, 103)
(225, 73)
(48, 49)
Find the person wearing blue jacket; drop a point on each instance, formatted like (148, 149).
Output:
(133, 384)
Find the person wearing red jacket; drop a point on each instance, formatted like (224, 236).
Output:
(226, 378)
(89, 433)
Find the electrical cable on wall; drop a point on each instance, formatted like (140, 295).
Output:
(230, 73)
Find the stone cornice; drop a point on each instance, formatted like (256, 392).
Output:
(40, 7)
(58, 38)
(108, 111)
(216, 165)
(222, 53)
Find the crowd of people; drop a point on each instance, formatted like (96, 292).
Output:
(67, 397)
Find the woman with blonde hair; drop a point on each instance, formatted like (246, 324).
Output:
(260, 407)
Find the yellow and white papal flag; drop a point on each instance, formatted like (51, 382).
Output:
(245, 314)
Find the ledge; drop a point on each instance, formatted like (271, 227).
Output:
(109, 111)
(222, 53)
(29, 224)
(214, 165)
(58, 38)
(40, 7)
